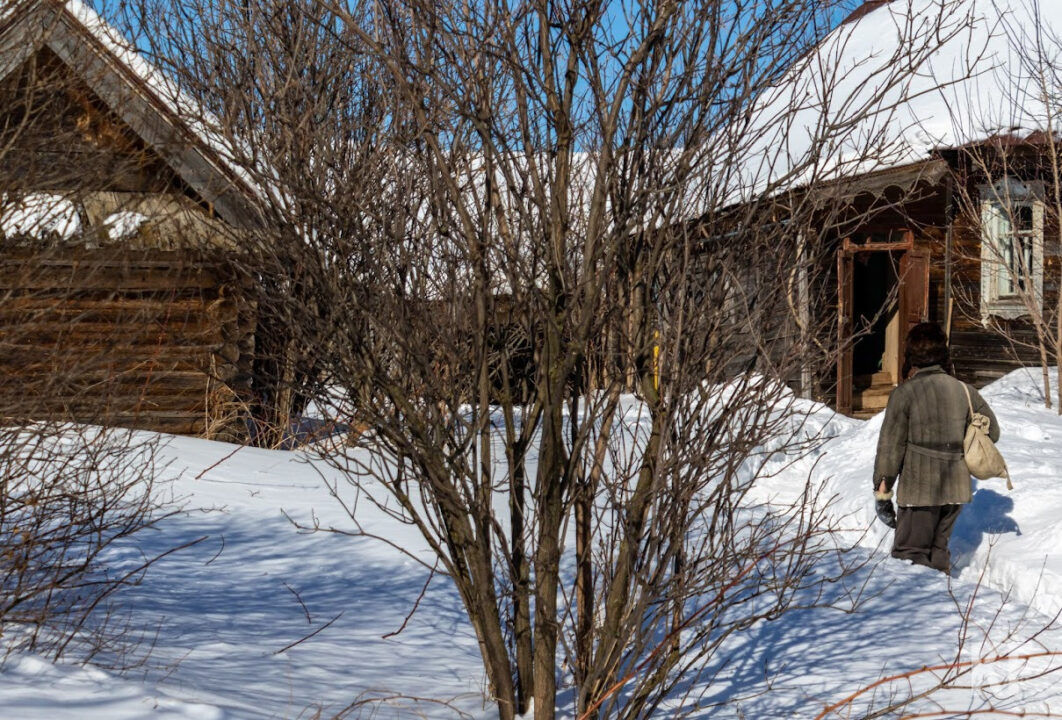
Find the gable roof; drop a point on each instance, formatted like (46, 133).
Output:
(165, 119)
(900, 80)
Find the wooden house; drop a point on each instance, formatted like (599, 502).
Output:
(123, 299)
(953, 219)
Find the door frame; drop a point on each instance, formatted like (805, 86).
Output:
(913, 296)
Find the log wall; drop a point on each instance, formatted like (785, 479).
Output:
(155, 340)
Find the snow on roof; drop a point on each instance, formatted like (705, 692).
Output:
(39, 215)
(896, 82)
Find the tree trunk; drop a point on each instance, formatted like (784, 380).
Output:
(610, 645)
(550, 494)
(547, 562)
(584, 587)
(522, 635)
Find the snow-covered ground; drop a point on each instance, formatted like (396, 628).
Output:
(226, 616)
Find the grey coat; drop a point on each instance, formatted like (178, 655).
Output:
(921, 439)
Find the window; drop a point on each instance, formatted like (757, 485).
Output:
(1012, 248)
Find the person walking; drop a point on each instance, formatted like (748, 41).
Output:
(920, 450)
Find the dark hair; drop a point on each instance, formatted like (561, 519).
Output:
(926, 345)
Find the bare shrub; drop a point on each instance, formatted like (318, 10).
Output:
(552, 258)
(68, 495)
(114, 309)
(992, 660)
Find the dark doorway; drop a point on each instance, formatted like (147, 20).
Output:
(882, 291)
(875, 331)
(874, 275)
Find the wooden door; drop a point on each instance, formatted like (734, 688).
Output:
(845, 301)
(914, 293)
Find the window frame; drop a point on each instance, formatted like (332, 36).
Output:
(1000, 204)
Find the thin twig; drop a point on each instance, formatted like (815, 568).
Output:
(297, 597)
(416, 605)
(307, 637)
(211, 467)
(931, 669)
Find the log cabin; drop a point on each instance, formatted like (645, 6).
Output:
(123, 298)
(932, 124)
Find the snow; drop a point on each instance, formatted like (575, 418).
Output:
(225, 617)
(39, 215)
(123, 224)
(909, 77)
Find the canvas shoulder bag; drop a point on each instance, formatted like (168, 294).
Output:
(981, 454)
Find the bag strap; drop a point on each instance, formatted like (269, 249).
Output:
(969, 402)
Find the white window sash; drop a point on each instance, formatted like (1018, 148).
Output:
(1001, 270)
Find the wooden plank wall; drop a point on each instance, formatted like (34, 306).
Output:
(981, 354)
(921, 210)
(150, 339)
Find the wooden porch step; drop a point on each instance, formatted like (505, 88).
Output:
(880, 378)
(872, 398)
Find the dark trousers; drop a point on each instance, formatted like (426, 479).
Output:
(922, 534)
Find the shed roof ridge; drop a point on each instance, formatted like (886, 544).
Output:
(161, 94)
